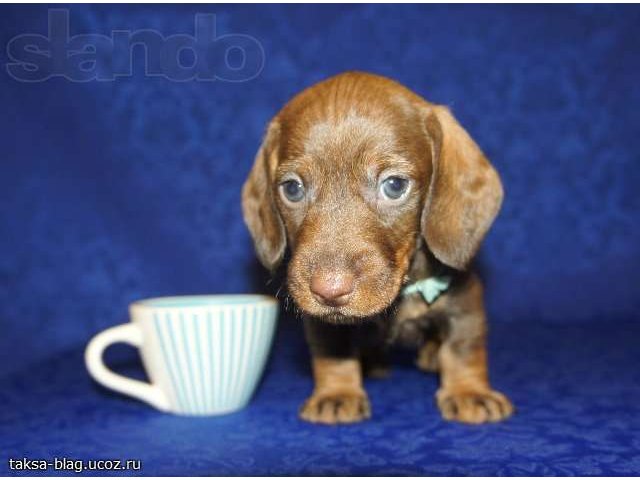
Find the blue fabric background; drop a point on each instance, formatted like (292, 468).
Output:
(114, 191)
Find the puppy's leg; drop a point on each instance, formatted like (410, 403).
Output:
(465, 394)
(338, 395)
(428, 356)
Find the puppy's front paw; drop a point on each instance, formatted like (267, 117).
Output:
(336, 407)
(474, 406)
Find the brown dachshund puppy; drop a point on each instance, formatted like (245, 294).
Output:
(383, 199)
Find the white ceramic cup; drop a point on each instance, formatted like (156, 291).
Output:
(204, 355)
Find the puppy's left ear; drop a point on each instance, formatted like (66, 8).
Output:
(465, 192)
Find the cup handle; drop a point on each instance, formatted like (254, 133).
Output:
(131, 334)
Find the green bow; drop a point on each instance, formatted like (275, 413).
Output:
(430, 288)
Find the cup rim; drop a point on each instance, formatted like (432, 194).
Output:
(205, 301)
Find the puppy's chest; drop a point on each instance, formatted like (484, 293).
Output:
(413, 322)
(415, 319)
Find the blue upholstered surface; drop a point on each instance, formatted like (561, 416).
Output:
(576, 389)
(115, 191)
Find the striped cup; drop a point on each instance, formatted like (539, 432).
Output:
(204, 355)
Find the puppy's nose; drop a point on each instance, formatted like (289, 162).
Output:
(332, 288)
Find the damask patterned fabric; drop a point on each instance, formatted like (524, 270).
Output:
(111, 191)
(575, 387)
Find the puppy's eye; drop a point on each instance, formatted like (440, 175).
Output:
(293, 190)
(394, 188)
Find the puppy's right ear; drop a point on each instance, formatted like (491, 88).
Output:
(258, 205)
